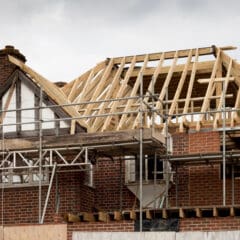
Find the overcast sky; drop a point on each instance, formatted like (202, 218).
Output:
(63, 38)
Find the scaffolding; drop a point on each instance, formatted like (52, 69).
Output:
(151, 114)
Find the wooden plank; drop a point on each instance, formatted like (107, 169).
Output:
(180, 85)
(216, 80)
(209, 91)
(50, 89)
(220, 104)
(83, 139)
(123, 87)
(203, 67)
(109, 94)
(133, 93)
(100, 86)
(190, 86)
(167, 81)
(170, 54)
(151, 86)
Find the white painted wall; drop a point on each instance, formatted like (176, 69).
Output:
(27, 102)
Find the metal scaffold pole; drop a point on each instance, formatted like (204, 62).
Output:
(224, 143)
(40, 156)
(166, 170)
(141, 154)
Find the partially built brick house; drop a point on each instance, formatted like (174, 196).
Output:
(133, 144)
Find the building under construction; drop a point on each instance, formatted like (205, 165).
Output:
(144, 143)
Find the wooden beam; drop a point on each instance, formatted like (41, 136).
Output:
(181, 213)
(220, 104)
(73, 218)
(170, 54)
(209, 91)
(123, 87)
(180, 85)
(133, 93)
(167, 81)
(215, 212)
(103, 217)
(109, 94)
(151, 86)
(198, 212)
(216, 80)
(88, 217)
(133, 215)
(100, 87)
(203, 67)
(117, 216)
(190, 87)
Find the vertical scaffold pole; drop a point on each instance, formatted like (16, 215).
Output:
(224, 144)
(40, 157)
(141, 154)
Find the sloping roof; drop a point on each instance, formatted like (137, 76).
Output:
(49, 88)
(174, 84)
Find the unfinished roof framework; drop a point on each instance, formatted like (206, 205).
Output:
(130, 104)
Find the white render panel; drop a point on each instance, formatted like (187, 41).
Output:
(27, 102)
(10, 117)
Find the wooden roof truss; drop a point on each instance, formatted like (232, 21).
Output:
(186, 88)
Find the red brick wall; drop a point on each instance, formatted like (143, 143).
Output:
(200, 185)
(107, 186)
(210, 224)
(21, 204)
(199, 142)
(6, 68)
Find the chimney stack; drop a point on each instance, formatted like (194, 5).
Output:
(7, 68)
